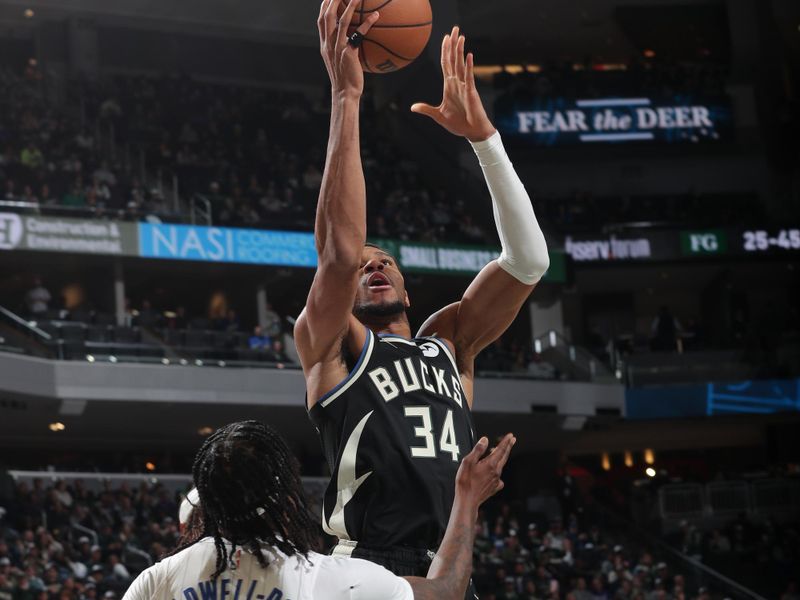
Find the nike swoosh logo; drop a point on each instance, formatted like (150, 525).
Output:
(346, 483)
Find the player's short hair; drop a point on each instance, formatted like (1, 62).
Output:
(382, 249)
(250, 495)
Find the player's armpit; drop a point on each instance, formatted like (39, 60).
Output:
(489, 306)
(327, 316)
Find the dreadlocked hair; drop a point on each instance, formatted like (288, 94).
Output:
(250, 495)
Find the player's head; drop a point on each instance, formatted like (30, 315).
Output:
(250, 493)
(381, 290)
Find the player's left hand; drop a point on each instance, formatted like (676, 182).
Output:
(478, 477)
(461, 111)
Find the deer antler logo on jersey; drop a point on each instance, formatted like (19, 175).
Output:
(430, 349)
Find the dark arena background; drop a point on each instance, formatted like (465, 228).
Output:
(160, 164)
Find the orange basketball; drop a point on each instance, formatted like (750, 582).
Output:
(399, 36)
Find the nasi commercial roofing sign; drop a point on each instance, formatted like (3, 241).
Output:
(228, 245)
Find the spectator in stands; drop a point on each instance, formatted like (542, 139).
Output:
(259, 341)
(10, 192)
(229, 323)
(45, 196)
(272, 322)
(664, 331)
(179, 320)
(37, 299)
(31, 157)
(791, 592)
(540, 369)
(147, 316)
(75, 198)
(278, 351)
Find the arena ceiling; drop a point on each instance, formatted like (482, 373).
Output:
(510, 31)
(550, 28)
(609, 30)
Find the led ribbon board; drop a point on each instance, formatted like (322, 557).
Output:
(558, 121)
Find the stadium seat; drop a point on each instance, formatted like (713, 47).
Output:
(126, 335)
(97, 334)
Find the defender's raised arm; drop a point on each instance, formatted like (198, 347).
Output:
(340, 227)
(478, 479)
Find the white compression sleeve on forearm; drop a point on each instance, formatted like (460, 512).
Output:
(524, 254)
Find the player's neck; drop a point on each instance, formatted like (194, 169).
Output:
(395, 325)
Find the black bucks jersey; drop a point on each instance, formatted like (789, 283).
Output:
(394, 433)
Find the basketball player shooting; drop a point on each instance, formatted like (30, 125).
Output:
(394, 411)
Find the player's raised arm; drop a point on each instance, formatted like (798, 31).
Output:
(494, 298)
(340, 227)
(478, 479)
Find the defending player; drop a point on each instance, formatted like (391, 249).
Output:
(393, 412)
(256, 535)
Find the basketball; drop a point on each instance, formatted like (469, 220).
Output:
(399, 36)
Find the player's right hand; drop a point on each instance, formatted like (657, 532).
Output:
(478, 479)
(341, 59)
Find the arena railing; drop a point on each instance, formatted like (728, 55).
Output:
(88, 212)
(722, 500)
(681, 501)
(99, 482)
(776, 496)
(578, 362)
(728, 498)
(26, 332)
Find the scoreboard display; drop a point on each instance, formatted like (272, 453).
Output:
(764, 240)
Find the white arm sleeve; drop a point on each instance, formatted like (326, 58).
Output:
(524, 254)
(356, 579)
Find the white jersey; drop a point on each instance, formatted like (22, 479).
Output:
(187, 576)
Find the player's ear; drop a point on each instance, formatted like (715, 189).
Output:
(407, 300)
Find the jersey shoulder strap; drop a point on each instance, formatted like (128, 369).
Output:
(355, 372)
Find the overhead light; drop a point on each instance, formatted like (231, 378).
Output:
(628, 458)
(648, 53)
(29, 14)
(649, 456)
(150, 466)
(605, 461)
(89, 358)
(57, 426)
(164, 361)
(112, 359)
(650, 471)
(205, 431)
(198, 362)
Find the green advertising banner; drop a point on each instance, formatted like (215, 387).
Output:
(450, 259)
(54, 234)
(713, 241)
